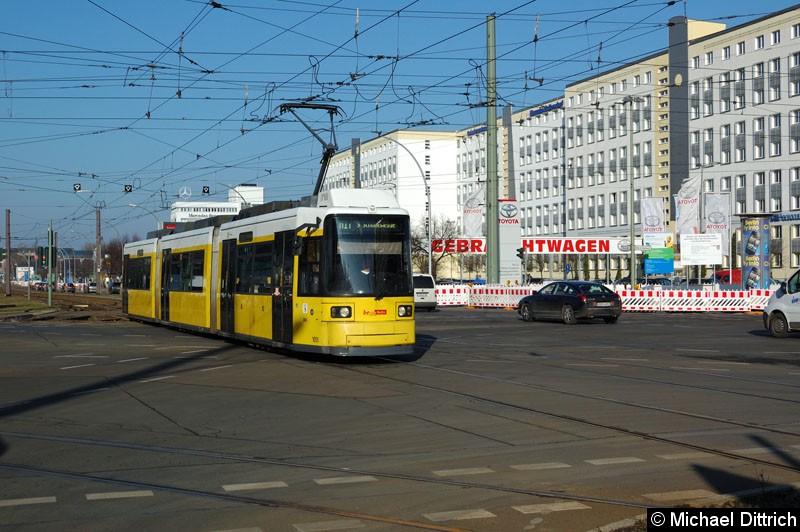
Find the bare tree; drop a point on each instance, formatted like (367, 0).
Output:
(473, 262)
(540, 261)
(443, 229)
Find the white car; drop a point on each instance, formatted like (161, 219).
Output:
(424, 292)
(782, 313)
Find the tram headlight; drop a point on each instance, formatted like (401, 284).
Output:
(404, 311)
(341, 312)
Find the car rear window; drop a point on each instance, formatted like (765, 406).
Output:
(594, 289)
(423, 281)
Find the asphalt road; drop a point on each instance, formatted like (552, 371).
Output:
(499, 425)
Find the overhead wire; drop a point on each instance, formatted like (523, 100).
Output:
(352, 119)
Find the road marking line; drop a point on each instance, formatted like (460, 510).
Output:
(679, 495)
(551, 507)
(459, 472)
(755, 450)
(723, 362)
(32, 500)
(685, 456)
(159, 378)
(195, 351)
(345, 480)
(82, 355)
(139, 345)
(91, 391)
(118, 495)
(321, 526)
(255, 486)
(594, 365)
(542, 465)
(610, 461)
(698, 369)
(698, 350)
(618, 359)
(217, 367)
(253, 529)
(131, 359)
(458, 514)
(79, 366)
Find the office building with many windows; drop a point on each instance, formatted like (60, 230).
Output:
(720, 102)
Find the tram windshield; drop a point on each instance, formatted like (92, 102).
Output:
(367, 255)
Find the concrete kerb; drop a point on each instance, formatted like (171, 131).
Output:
(26, 316)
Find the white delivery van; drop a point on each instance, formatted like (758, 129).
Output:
(782, 313)
(424, 292)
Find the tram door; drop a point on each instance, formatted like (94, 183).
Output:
(282, 296)
(227, 286)
(166, 263)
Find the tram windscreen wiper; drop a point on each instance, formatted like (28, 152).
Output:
(382, 292)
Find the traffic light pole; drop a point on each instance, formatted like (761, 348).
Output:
(8, 253)
(50, 265)
(521, 255)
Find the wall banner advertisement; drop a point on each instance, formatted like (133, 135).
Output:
(717, 217)
(687, 204)
(652, 215)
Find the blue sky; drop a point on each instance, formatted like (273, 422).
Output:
(179, 93)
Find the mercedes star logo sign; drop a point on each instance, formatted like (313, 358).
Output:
(185, 192)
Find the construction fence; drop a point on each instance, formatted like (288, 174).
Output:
(665, 300)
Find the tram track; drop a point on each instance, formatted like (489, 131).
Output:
(271, 503)
(541, 361)
(364, 370)
(605, 426)
(374, 372)
(100, 306)
(214, 455)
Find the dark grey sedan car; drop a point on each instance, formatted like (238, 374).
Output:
(569, 301)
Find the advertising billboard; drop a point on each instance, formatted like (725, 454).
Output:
(755, 252)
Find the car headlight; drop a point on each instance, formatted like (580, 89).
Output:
(404, 311)
(341, 312)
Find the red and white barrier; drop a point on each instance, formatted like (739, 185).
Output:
(640, 300)
(500, 296)
(456, 294)
(759, 298)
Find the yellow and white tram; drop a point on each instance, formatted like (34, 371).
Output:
(332, 279)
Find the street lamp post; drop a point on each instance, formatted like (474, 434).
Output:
(631, 100)
(135, 206)
(429, 227)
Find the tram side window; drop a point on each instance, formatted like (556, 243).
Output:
(244, 269)
(254, 269)
(186, 271)
(137, 274)
(309, 267)
(262, 268)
